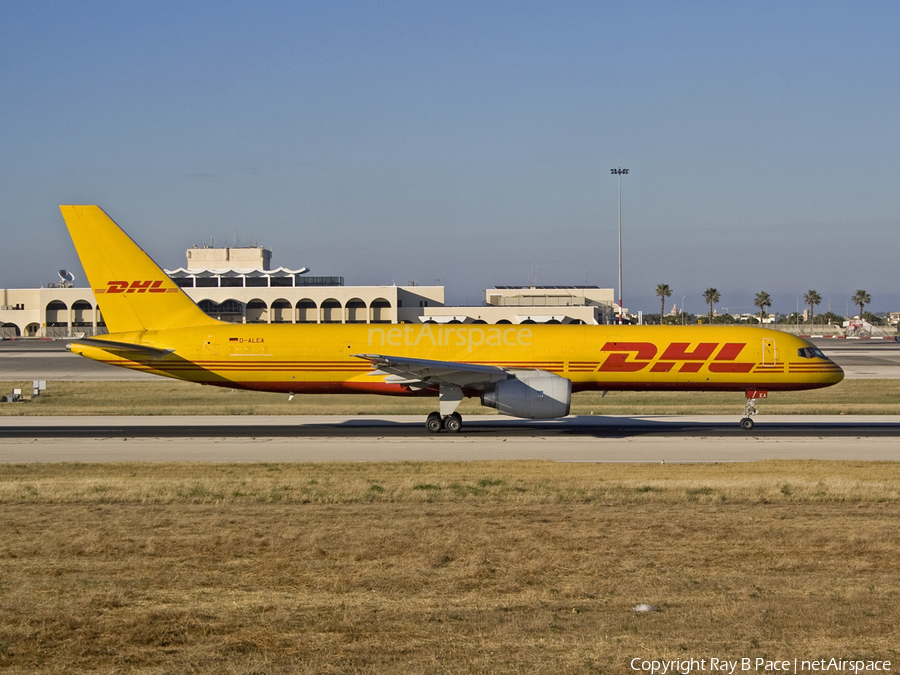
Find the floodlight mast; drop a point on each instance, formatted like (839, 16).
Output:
(620, 172)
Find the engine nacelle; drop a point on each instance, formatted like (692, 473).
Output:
(533, 394)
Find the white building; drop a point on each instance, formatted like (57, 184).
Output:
(533, 304)
(236, 284)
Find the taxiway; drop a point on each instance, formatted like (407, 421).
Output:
(402, 438)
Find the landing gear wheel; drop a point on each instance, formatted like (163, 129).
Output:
(453, 422)
(747, 424)
(434, 423)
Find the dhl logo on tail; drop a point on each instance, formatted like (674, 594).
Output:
(148, 286)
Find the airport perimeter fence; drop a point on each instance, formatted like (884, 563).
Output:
(63, 332)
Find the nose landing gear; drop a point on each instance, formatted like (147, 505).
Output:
(750, 409)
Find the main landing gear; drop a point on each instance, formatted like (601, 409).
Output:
(447, 419)
(750, 409)
(451, 422)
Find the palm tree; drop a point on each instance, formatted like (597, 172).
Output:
(662, 291)
(812, 299)
(711, 295)
(861, 299)
(762, 301)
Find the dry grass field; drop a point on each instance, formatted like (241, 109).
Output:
(494, 567)
(169, 397)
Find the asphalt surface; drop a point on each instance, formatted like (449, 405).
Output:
(474, 428)
(403, 438)
(49, 360)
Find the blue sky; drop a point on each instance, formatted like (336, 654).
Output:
(468, 143)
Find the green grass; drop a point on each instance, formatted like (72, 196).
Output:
(515, 482)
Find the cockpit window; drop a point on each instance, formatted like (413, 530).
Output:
(811, 353)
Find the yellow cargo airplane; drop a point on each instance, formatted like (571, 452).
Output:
(525, 371)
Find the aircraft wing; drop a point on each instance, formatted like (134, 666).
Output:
(423, 373)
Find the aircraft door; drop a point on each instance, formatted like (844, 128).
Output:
(210, 346)
(769, 354)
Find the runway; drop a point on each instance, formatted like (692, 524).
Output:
(49, 360)
(403, 438)
(333, 438)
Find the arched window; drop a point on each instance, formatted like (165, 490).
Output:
(57, 314)
(380, 311)
(307, 311)
(257, 311)
(9, 330)
(82, 314)
(331, 311)
(356, 311)
(282, 311)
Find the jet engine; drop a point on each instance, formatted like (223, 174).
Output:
(535, 394)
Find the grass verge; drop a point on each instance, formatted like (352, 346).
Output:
(495, 482)
(493, 567)
(169, 397)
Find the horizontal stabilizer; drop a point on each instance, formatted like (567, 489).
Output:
(113, 346)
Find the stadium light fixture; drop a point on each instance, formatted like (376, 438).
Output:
(619, 173)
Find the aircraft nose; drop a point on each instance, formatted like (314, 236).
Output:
(830, 373)
(838, 374)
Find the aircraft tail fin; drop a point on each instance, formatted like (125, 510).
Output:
(132, 291)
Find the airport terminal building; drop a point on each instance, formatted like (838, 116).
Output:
(238, 285)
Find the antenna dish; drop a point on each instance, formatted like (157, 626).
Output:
(66, 276)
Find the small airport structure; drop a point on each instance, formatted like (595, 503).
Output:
(238, 285)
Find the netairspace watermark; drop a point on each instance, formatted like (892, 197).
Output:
(731, 666)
